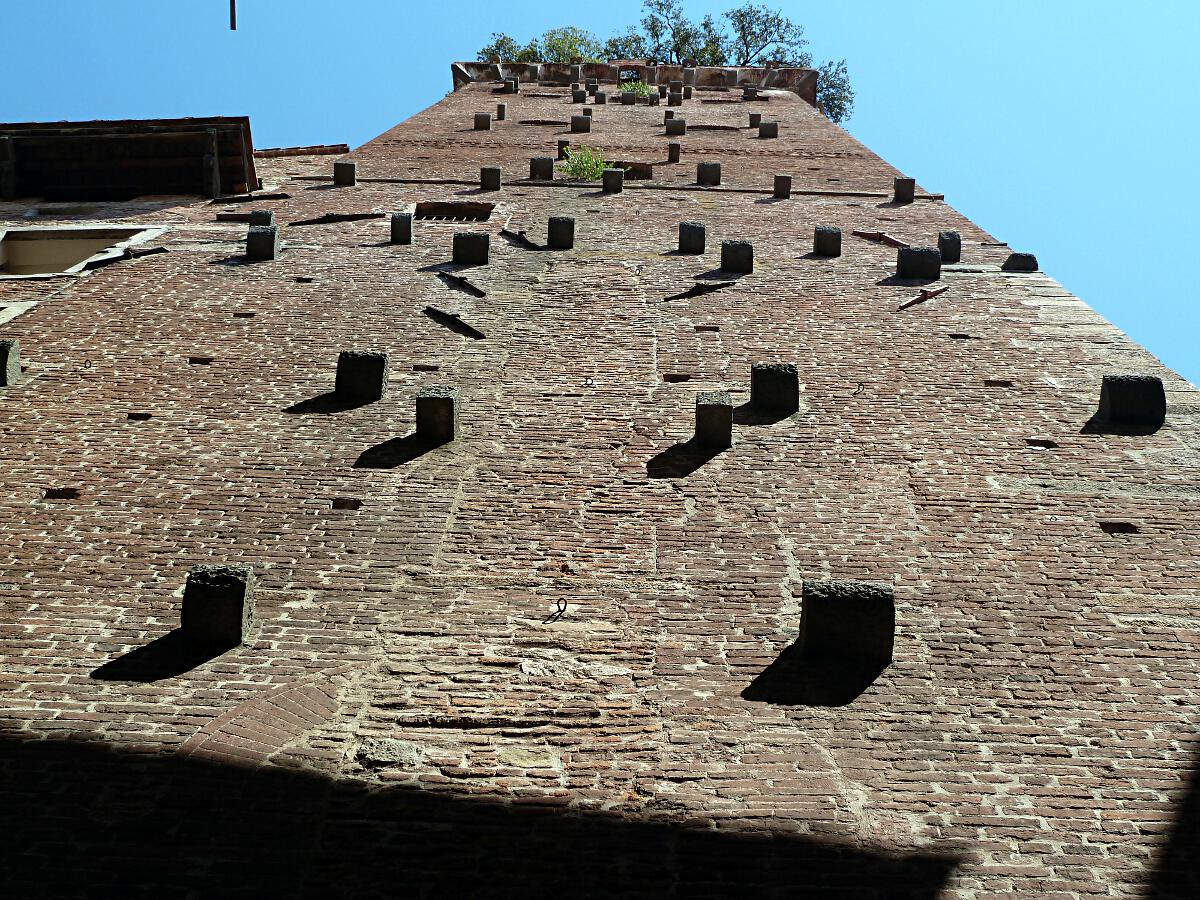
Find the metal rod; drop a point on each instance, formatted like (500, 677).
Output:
(233, 15)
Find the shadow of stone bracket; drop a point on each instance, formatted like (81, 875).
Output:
(325, 404)
(681, 460)
(749, 414)
(797, 680)
(395, 452)
(168, 656)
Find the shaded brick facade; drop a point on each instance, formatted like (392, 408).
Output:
(551, 655)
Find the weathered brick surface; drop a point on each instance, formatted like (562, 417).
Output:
(519, 666)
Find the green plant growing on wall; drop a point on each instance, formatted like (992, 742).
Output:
(584, 162)
(638, 87)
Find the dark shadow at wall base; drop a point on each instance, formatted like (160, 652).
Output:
(1177, 868)
(85, 822)
(795, 680)
(168, 656)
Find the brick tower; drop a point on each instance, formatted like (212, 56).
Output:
(422, 521)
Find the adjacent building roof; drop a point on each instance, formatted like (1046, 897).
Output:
(120, 160)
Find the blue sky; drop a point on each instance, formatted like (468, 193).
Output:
(1064, 127)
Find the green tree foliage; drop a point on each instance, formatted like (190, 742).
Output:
(505, 49)
(834, 92)
(748, 35)
(631, 44)
(758, 35)
(669, 37)
(570, 45)
(557, 45)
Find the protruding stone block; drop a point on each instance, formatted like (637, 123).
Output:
(749, 92)
(691, 237)
(1020, 262)
(737, 256)
(587, 111)
(675, 86)
(782, 188)
(581, 124)
(921, 263)
(674, 99)
(489, 178)
(676, 127)
(714, 419)
(402, 228)
(437, 413)
(1137, 401)
(950, 246)
(541, 168)
(593, 87)
(218, 605)
(563, 144)
(687, 92)
(904, 190)
(577, 86)
(708, 173)
(847, 621)
(579, 96)
(662, 90)
(262, 242)
(471, 248)
(577, 72)
(512, 85)
(614, 181)
(755, 119)
(768, 129)
(561, 233)
(362, 375)
(501, 112)
(483, 121)
(628, 98)
(601, 98)
(653, 99)
(10, 361)
(827, 240)
(774, 388)
(673, 150)
(668, 115)
(345, 174)
(262, 217)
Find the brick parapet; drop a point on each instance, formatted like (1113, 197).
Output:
(799, 80)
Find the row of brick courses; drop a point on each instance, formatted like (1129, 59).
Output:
(441, 142)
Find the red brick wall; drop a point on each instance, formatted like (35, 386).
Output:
(411, 716)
